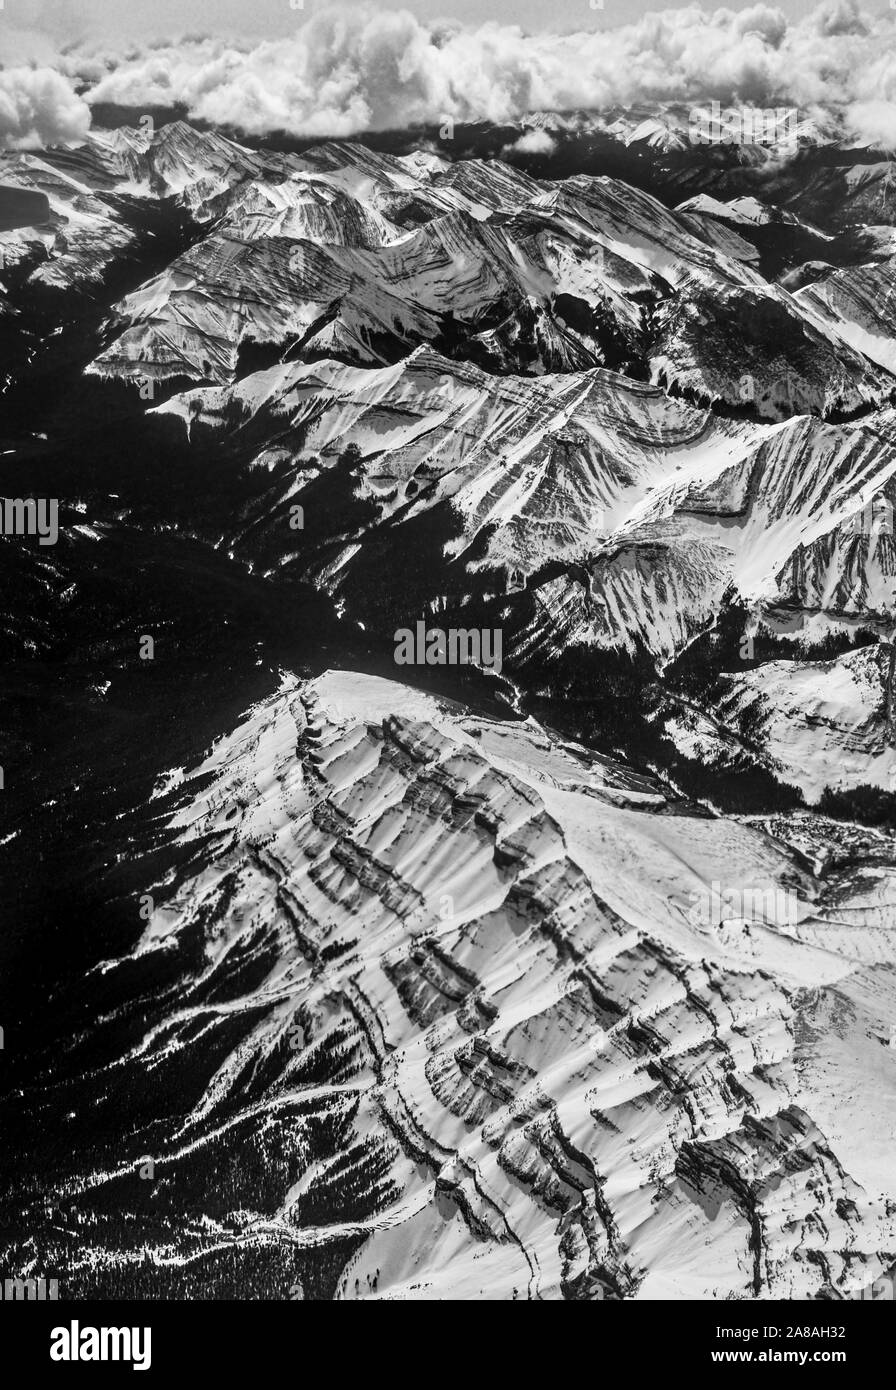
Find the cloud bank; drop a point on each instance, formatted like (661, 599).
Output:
(347, 71)
(40, 107)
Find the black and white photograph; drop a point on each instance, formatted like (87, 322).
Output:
(448, 663)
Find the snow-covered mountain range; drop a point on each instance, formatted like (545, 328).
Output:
(572, 979)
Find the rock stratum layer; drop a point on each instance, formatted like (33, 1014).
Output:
(458, 990)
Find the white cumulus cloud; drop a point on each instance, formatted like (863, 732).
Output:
(39, 107)
(344, 71)
(532, 142)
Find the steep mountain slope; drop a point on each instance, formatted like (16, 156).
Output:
(860, 302)
(653, 507)
(468, 993)
(83, 237)
(818, 716)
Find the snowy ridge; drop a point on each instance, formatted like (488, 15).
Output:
(570, 1082)
(663, 506)
(535, 276)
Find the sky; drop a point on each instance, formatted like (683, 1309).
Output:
(62, 21)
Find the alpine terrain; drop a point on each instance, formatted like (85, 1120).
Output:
(448, 736)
